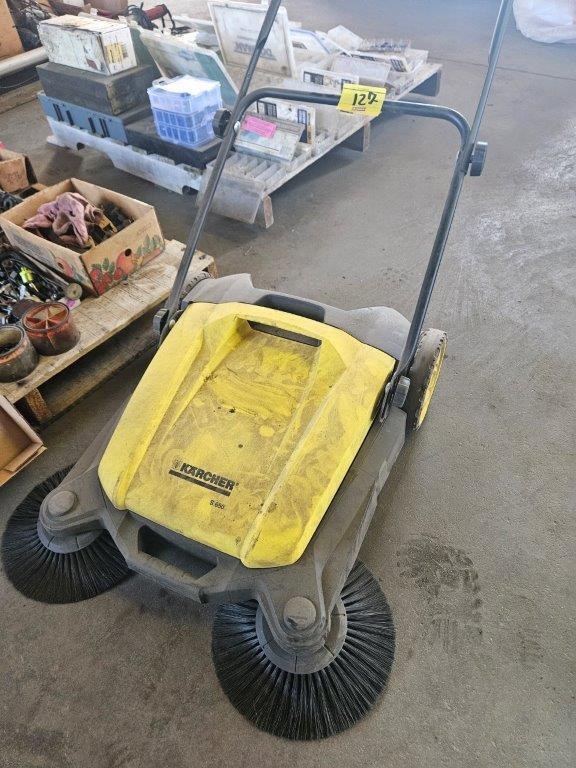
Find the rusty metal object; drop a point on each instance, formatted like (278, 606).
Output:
(18, 357)
(50, 328)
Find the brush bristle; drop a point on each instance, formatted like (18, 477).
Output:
(52, 577)
(316, 705)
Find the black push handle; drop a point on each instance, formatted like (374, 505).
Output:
(166, 317)
(470, 158)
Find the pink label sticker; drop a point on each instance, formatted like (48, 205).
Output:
(259, 126)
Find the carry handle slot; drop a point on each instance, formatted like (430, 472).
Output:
(293, 305)
(160, 548)
(175, 567)
(274, 330)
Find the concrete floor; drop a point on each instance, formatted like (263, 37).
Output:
(473, 540)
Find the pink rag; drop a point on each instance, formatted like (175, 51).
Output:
(70, 210)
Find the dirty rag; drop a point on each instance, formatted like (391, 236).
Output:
(67, 216)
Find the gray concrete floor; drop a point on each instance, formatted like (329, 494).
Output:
(473, 540)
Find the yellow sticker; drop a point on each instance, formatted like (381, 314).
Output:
(367, 99)
(114, 53)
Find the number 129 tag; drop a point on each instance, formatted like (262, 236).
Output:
(366, 99)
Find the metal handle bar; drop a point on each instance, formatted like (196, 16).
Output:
(331, 99)
(495, 46)
(240, 108)
(463, 162)
(471, 156)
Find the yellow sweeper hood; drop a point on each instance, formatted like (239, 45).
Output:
(242, 429)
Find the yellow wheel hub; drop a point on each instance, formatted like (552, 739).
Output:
(431, 384)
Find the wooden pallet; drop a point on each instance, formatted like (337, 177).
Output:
(20, 94)
(247, 183)
(115, 329)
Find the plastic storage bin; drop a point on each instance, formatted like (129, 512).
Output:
(183, 108)
(185, 130)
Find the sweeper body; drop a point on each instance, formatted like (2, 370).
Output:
(245, 469)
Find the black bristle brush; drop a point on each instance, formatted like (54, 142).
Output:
(52, 577)
(318, 704)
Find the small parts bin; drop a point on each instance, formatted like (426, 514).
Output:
(183, 108)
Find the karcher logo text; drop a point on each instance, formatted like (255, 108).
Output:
(203, 477)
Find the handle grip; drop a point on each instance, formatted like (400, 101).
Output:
(193, 577)
(291, 304)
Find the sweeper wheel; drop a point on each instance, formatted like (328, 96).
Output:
(424, 374)
(316, 704)
(48, 576)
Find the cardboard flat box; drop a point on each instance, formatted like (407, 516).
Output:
(237, 26)
(280, 142)
(110, 6)
(370, 68)
(19, 444)
(10, 44)
(303, 114)
(13, 171)
(61, 8)
(91, 43)
(176, 55)
(408, 61)
(106, 264)
(332, 81)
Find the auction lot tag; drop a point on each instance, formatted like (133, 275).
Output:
(367, 99)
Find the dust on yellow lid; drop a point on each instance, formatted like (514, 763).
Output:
(239, 438)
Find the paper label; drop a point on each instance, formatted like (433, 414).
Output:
(366, 99)
(115, 52)
(261, 127)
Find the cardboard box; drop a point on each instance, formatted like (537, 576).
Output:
(303, 114)
(237, 26)
(101, 267)
(19, 444)
(370, 68)
(13, 175)
(114, 7)
(91, 43)
(10, 44)
(73, 7)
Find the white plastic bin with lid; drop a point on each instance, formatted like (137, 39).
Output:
(183, 108)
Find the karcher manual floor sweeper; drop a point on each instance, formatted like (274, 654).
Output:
(245, 468)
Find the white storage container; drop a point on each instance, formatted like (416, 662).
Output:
(185, 94)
